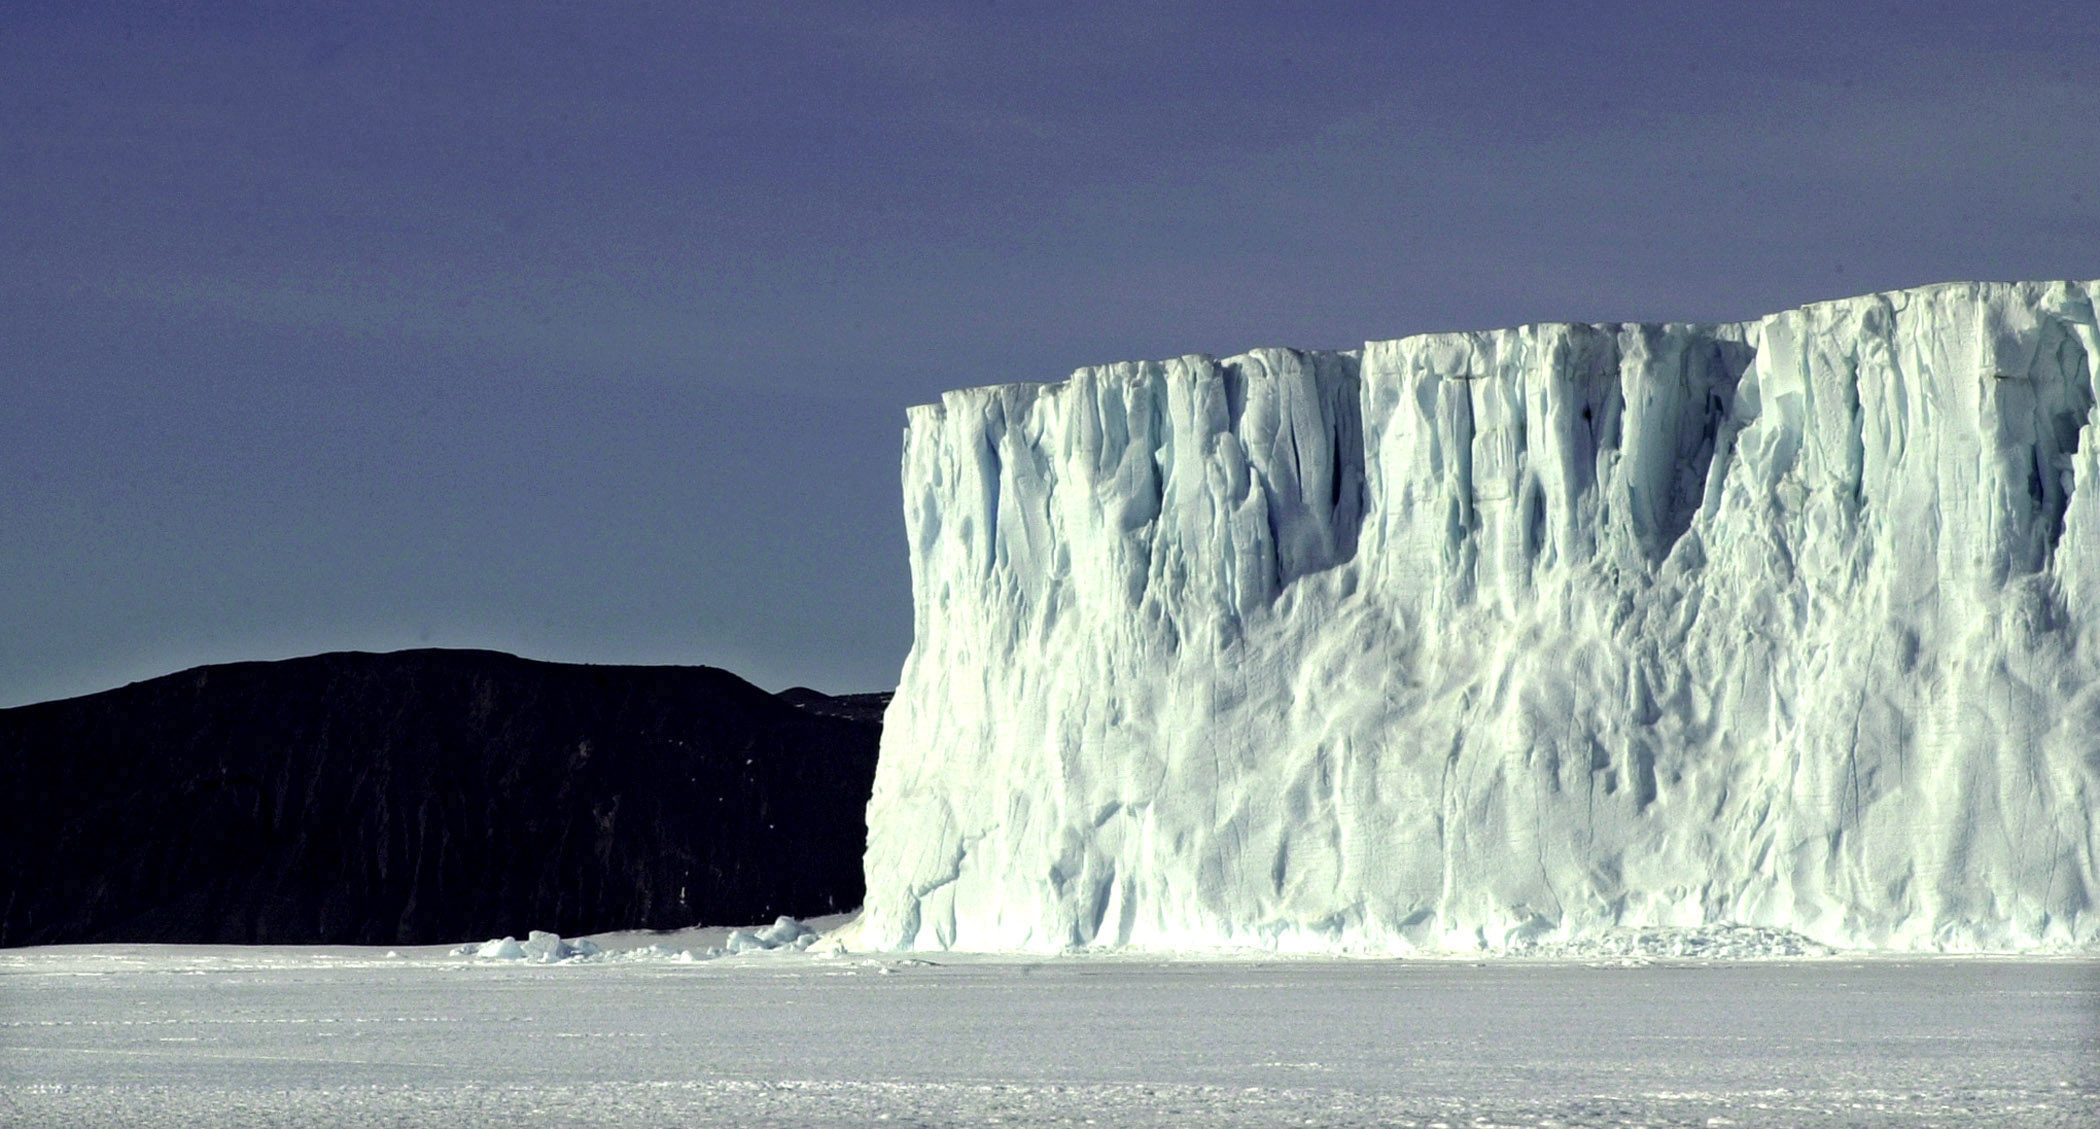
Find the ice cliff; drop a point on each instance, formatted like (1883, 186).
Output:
(1474, 640)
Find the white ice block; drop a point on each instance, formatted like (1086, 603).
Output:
(1481, 639)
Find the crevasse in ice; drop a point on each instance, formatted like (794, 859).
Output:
(1474, 640)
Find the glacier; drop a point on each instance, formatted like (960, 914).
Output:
(1478, 641)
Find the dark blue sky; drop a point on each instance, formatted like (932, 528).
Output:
(585, 331)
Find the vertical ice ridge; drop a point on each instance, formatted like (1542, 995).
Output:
(1471, 638)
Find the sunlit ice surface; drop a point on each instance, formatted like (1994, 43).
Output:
(649, 1031)
(1489, 640)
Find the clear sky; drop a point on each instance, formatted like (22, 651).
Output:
(585, 331)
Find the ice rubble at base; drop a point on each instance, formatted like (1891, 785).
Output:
(1501, 640)
(540, 947)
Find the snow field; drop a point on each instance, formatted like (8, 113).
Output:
(165, 1036)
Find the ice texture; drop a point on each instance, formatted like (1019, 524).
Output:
(1513, 638)
(786, 934)
(262, 1037)
(539, 947)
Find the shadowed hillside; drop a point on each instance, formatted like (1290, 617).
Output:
(427, 796)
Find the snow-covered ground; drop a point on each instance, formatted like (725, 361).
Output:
(643, 1034)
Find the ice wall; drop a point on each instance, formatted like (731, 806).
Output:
(1472, 640)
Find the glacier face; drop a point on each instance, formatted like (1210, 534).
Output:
(1476, 640)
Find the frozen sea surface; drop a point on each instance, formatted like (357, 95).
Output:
(166, 1036)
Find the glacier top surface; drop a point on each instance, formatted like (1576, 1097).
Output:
(1824, 308)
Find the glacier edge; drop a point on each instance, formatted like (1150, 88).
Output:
(1480, 640)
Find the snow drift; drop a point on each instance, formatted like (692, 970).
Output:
(1480, 640)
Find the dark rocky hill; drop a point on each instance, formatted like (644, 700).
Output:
(427, 796)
